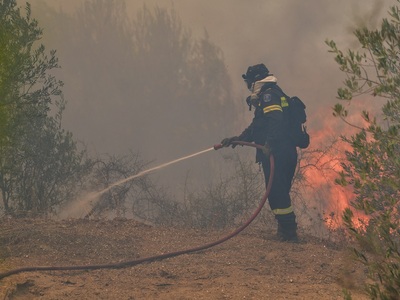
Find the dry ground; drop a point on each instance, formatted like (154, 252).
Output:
(252, 265)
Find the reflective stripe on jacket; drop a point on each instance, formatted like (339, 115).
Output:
(267, 126)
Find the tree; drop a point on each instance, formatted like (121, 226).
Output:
(373, 164)
(39, 161)
(142, 81)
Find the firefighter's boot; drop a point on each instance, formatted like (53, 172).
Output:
(287, 228)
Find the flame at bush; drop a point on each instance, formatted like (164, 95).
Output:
(319, 168)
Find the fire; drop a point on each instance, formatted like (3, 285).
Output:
(322, 166)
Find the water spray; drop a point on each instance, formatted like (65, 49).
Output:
(92, 197)
(131, 263)
(153, 169)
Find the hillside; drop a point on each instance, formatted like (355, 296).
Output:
(252, 265)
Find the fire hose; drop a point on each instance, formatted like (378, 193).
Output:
(159, 257)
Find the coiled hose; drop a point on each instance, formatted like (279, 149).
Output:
(131, 263)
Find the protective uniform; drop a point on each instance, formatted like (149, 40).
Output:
(269, 128)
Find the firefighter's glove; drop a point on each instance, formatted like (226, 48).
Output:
(266, 149)
(228, 141)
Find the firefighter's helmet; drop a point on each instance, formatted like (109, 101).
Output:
(255, 73)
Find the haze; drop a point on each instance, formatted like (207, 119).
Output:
(287, 35)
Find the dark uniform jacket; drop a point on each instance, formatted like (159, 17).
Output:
(268, 126)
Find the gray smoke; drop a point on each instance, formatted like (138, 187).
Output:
(287, 35)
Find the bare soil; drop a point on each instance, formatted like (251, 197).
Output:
(252, 265)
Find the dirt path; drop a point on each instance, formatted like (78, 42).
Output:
(250, 266)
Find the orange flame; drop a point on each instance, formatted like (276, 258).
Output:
(326, 163)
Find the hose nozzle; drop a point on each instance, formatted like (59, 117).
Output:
(218, 146)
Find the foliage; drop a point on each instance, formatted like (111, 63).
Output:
(373, 166)
(39, 161)
(157, 83)
(215, 206)
(224, 203)
(159, 88)
(132, 196)
(220, 204)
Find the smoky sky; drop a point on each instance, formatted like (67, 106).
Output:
(287, 35)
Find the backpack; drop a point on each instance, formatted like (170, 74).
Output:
(294, 114)
(294, 111)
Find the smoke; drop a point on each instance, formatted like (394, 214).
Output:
(287, 35)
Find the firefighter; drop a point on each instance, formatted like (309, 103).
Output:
(268, 128)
